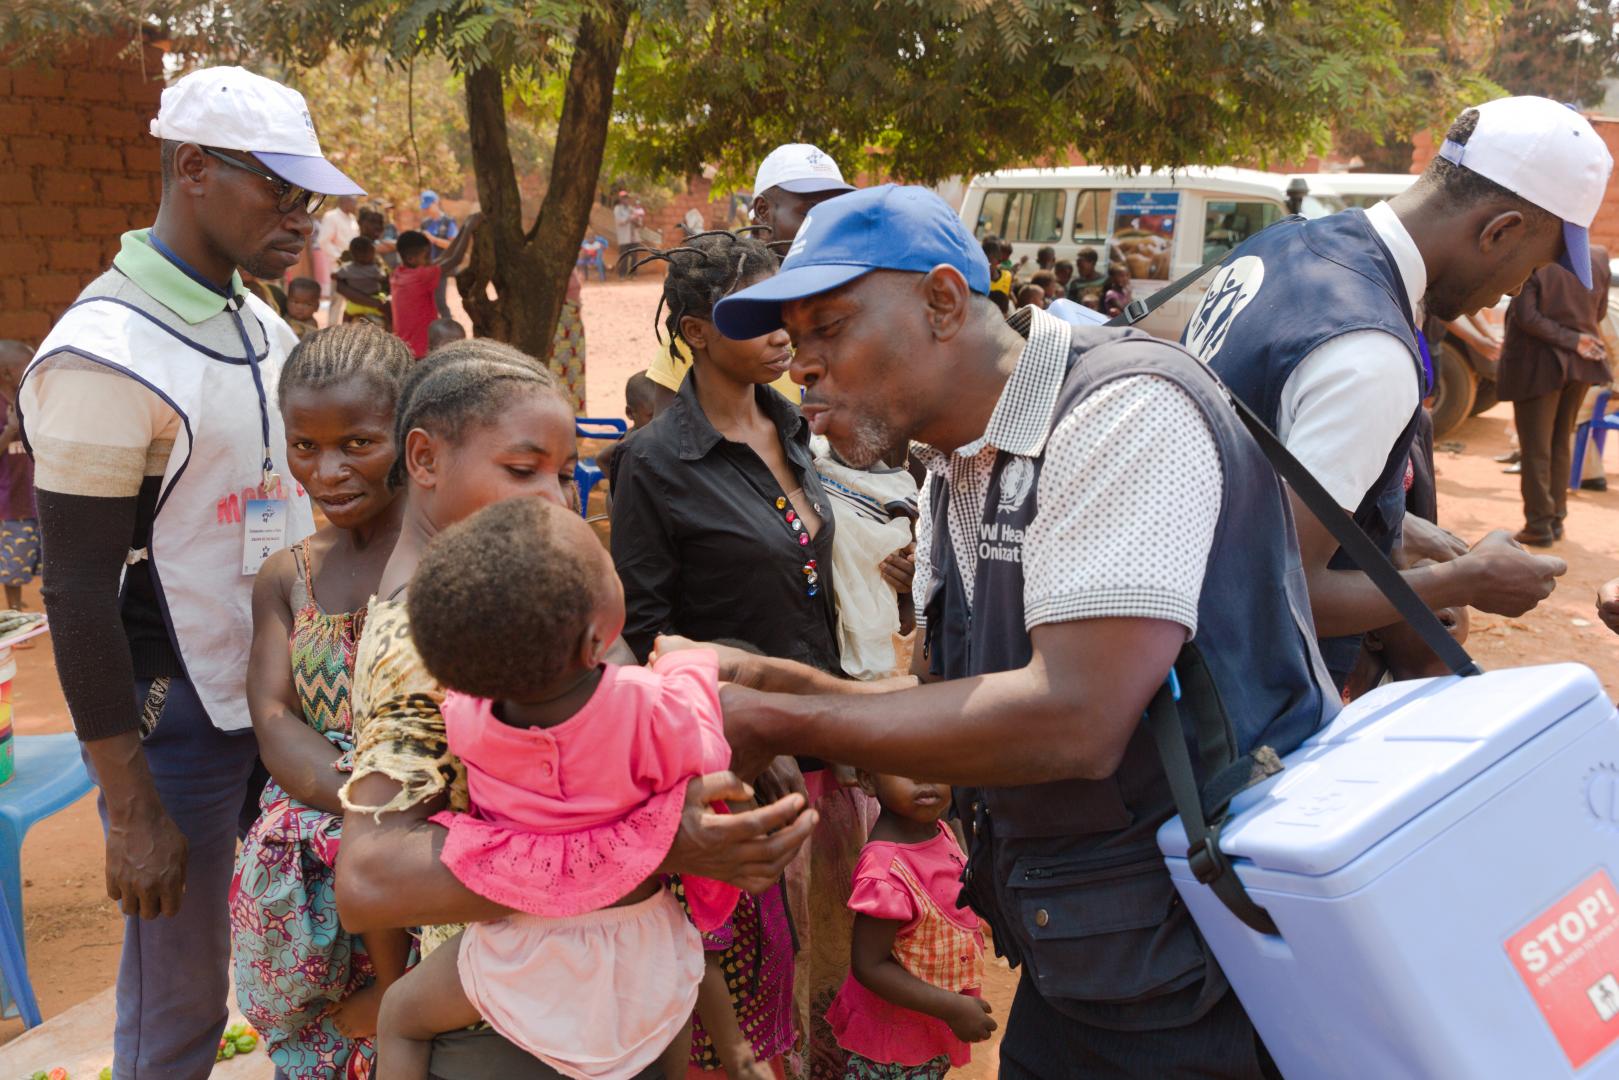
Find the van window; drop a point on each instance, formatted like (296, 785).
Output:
(1090, 216)
(1227, 224)
(1029, 216)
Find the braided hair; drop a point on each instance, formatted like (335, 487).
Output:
(462, 384)
(702, 272)
(351, 350)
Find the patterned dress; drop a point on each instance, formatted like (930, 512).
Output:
(568, 344)
(755, 948)
(293, 959)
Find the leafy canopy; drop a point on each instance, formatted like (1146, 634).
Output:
(925, 89)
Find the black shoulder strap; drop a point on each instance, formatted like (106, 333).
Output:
(1208, 863)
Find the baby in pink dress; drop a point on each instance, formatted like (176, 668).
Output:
(911, 1004)
(577, 772)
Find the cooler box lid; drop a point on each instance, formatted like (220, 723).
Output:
(1388, 757)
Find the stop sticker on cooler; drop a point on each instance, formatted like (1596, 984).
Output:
(1568, 956)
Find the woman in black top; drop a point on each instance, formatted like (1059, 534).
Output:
(721, 528)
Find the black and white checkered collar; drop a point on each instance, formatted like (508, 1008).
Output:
(1022, 417)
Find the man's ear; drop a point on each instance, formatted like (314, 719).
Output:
(695, 331)
(949, 301)
(422, 458)
(191, 167)
(1503, 230)
(761, 210)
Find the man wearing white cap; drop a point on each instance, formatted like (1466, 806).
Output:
(792, 180)
(162, 481)
(1315, 326)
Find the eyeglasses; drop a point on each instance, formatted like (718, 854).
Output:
(287, 197)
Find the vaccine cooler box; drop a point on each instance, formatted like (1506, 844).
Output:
(1441, 864)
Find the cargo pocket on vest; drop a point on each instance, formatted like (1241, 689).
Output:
(1103, 934)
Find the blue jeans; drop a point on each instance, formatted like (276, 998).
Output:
(174, 973)
(1044, 1044)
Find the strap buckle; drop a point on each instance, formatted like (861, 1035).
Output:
(1207, 862)
(1135, 311)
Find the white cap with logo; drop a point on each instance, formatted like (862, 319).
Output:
(230, 108)
(1545, 153)
(801, 169)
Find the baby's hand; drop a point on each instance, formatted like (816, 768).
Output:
(970, 1019)
(899, 568)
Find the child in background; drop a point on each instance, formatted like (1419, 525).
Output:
(911, 1004)
(1088, 282)
(1117, 296)
(19, 521)
(444, 331)
(1000, 277)
(1031, 296)
(513, 610)
(416, 281)
(363, 284)
(303, 300)
(872, 559)
(640, 403)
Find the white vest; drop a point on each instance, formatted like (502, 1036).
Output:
(215, 467)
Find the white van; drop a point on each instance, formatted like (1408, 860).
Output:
(1161, 224)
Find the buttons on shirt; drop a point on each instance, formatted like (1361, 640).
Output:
(781, 503)
(1041, 918)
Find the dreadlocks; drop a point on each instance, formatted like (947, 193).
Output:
(702, 272)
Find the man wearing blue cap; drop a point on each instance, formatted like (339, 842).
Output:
(1314, 325)
(1095, 510)
(162, 486)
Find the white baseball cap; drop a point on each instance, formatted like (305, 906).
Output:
(801, 169)
(231, 108)
(1545, 153)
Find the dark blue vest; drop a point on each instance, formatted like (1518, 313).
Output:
(1068, 873)
(1285, 292)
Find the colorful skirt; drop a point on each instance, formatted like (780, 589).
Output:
(293, 958)
(568, 353)
(19, 551)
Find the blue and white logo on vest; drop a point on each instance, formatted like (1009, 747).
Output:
(1230, 290)
(1017, 480)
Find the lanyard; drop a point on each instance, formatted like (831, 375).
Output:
(233, 304)
(1427, 363)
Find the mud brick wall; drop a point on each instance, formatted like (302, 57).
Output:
(77, 169)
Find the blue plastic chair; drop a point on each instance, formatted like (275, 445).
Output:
(1595, 430)
(50, 776)
(587, 474)
(597, 260)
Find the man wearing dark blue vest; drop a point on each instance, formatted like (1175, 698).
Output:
(1094, 511)
(1314, 326)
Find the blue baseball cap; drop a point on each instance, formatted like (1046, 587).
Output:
(428, 199)
(880, 228)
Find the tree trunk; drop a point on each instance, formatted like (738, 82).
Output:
(530, 271)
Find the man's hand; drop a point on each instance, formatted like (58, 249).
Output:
(971, 1020)
(1608, 605)
(146, 853)
(1506, 579)
(899, 569)
(1422, 539)
(748, 850)
(146, 861)
(1591, 348)
(781, 778)
(736, 665)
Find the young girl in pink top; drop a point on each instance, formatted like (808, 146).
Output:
(911, 1003)
(577, 772)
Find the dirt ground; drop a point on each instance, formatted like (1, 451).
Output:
(73, 933)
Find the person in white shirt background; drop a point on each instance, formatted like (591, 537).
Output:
(338, 226)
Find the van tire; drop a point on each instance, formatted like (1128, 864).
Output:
(1455, 387)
